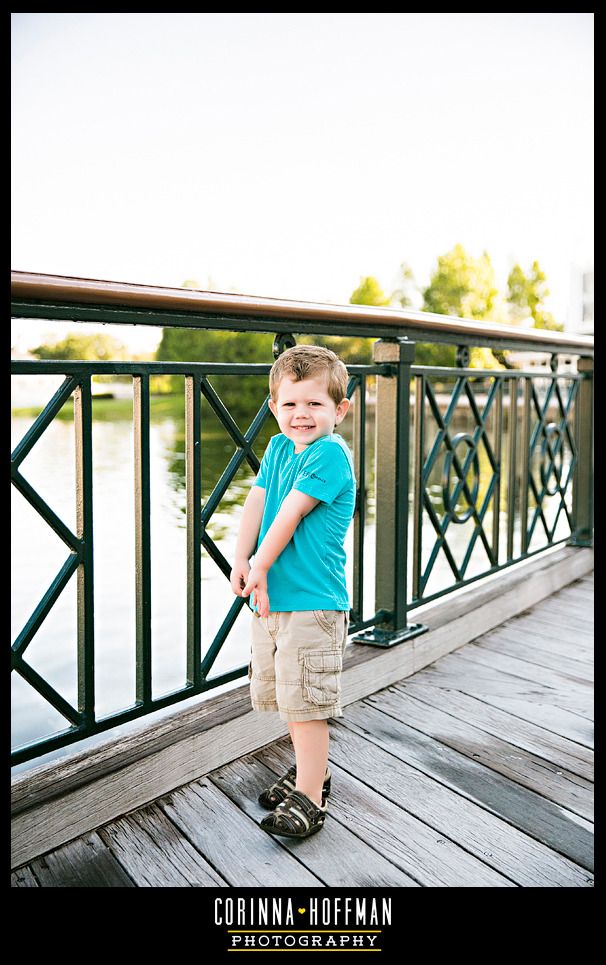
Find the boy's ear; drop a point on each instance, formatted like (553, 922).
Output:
(273, 407)
(342, 408)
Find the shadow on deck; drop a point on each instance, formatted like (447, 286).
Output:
(474, 771)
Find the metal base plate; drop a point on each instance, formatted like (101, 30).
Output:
(388, 638)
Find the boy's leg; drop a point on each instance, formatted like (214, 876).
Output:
(310, 739)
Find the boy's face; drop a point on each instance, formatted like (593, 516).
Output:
(306, 403)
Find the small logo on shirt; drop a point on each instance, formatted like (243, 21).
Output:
(312, 475)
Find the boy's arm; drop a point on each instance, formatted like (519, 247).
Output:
(250, 523)
(248, 534)
(293, 509)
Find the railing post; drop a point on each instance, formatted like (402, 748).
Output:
(392, 469)
(83, 422)
(582, 491)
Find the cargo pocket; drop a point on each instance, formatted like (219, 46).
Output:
(321, 676)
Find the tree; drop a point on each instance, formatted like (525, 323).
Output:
(241, 395)
(526, 294)
(464, 286)
(461, 285)
(85, 347)
(369, 292)
(406, 285)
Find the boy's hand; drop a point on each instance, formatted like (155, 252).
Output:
(257, 581)
(239, 576)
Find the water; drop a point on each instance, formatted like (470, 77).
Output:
(38, 555)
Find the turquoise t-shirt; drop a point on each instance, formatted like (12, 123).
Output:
(309, 573)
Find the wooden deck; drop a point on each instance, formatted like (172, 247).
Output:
(476, 771)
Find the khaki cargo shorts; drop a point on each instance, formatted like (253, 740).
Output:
(296, 664)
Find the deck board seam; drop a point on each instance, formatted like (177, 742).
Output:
(504, 777)
(453, 790)
(367, 701)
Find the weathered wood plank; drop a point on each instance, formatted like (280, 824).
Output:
(503, 756)
(577, 594)
(529, 812)
(84, 863)
(571, 598)
(134, 742)
(519, 698)
(57, 820)
(551, 717)
(547, 745)
(549, 641)
(336, 855)
(475, 676)
(525, 860)
(24, 878)
(539, 614)
(554, 630)
(155, 854)
(559, 680)
(243, 854)
(516, 645)
(573, 615)
(426, 855)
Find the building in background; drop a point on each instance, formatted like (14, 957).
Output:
(580, 315)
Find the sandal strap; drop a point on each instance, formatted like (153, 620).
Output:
(305, 803)
(285, 785)
(298, 813)
(282, 787)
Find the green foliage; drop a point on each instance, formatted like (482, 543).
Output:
(86, 347)
(461, 285)
(369, 292)
(428, 353)
(402, 295)
(242, 395)
(526, 294)
(545, 319)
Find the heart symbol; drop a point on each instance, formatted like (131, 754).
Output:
(301, 911)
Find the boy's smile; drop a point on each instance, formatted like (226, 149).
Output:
(305, 411)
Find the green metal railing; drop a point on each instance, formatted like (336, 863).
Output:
(547, 455)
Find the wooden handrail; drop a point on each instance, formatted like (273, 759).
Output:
(34, 286)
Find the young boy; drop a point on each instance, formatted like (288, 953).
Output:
(296, 517)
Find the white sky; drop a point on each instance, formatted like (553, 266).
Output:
(289, 154)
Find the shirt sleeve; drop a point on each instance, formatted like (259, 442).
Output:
(325, 474)
(261, 479)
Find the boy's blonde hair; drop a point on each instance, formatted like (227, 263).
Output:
(308, 362)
